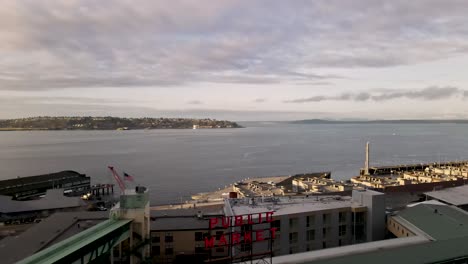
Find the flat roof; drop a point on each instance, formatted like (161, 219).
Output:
(436, 251)
(179, 224)
(205, 210)
(41, 178)
(437, 221)
(362, 248)
(456, 196)
(53, 199)
(184, 219)
(49, 231)
(286, 205)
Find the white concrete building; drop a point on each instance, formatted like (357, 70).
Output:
(314, 222)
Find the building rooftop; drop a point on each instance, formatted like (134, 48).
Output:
(53, 199)
(50, 231)
(40, 178)
(179, 223)
(455, 196)
(325, 255)
(183, 219)
(208, 210)
(288, 205)
(437, 221)
(443, 251)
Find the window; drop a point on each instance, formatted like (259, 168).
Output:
(246, 247)
(156, 250)
(326, 231)
(326, 218)
(324, 244)
(116, 252)
(360, 218)
(293, 223)
(310, 220)
(156, 238)
(245, 228)
(342, 217)
(310, 235)
(198, 236)
(277, 238)
(340, 242)
(219, 234)
(293, 250)
(168, 237)
(277, 224)
(342, 230)
(293, 237)
(169, 250)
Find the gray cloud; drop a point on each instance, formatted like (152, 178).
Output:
(48, 100)
(55, 44)
(195, 102)
(426, 94)
(260, 100)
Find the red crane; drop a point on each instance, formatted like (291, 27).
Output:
(117, 179)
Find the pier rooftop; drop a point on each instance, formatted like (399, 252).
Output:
(261, 186)
(245, 188)
(288, 205)
(430, 176)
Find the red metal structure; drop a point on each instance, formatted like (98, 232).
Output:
(117, 178)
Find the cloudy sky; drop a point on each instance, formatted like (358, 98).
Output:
(240, 60)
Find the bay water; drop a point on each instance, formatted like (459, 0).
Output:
(177, 163)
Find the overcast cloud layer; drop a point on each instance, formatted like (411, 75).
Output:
(234, 55)
(426, 94)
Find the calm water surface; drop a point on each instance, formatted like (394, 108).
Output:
(177, 163)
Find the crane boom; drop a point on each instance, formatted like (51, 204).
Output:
(117, 178)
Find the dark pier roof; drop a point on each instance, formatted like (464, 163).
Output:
(28, 187)
(41, 178)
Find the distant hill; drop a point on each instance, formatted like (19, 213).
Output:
(110, 123)
(403, 121)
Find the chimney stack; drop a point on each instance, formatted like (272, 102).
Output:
(366, 165)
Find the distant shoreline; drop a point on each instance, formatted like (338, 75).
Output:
(135, 129)
(107, 123)
(403, 121)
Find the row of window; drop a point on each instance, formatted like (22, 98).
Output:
(310, 234)
(402, 231)
(310, 220)
(169, 249)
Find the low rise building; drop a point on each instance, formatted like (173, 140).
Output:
(432, 219)
(456, 196)
(178, 235)
(320, 185)
(316, 222)
(426, 232)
